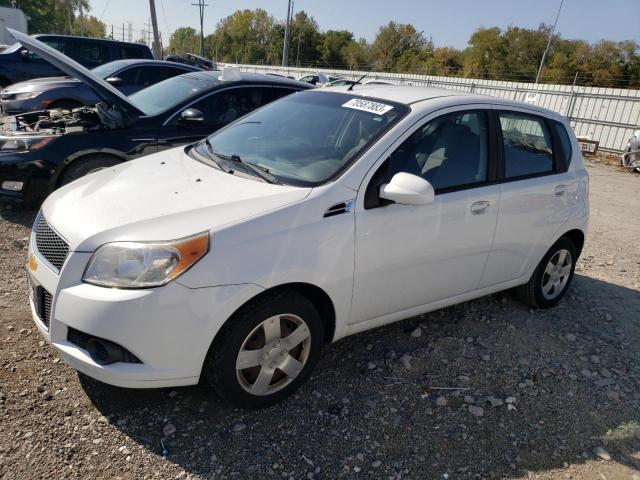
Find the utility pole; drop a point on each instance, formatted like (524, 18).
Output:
(123, 32)
(112, 31)
(81, 26)
(287, 33)
(553, 29)
(298, 52)
(157, 47)
(69, 18)
(201, 6)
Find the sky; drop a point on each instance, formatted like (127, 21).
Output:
(448, 22)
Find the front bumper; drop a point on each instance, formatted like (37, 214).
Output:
(16, 106)
(33, 173)
(170, 328)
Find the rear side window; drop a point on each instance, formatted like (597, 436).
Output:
(527, 145)
(132, 52)
(564, 143)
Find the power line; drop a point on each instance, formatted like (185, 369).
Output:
(105, 9)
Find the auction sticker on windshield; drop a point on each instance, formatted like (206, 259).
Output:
(368, 106)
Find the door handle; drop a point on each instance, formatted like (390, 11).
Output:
(559, 190)
(480, 207)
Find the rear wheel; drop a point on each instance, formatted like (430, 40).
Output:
(552, 276)
(84, 166)
(266, 351)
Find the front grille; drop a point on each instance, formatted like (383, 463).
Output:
(49, 244)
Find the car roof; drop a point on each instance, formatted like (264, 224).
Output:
(91, 39)
(249, 78)
(125, 62)
(410, 94)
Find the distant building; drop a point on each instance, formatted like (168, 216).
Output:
(12, 18)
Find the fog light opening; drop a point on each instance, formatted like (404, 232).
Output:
(104, 352)
(12, 186)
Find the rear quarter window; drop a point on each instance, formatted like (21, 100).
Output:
(564, 140)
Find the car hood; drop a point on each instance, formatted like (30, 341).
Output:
(106, 92)
(41, 85)
(163, 196)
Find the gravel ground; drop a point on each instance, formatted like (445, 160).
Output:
(531, 394)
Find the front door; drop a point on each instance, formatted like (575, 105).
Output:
(407, 256)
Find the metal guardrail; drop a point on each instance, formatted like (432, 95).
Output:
(605, 115)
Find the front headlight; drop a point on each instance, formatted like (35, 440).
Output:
(144, 265)
(24, 143)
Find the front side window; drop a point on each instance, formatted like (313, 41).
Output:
(527, 145)
(224, 107)
(87, 53)
(308, 137)
(449, 151)
(164, 95)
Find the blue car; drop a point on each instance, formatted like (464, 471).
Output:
(128, 76)
(18, 63)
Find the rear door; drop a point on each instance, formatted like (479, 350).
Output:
(533, 193)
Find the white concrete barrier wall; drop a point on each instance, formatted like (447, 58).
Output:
(606, 115)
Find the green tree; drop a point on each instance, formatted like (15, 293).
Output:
(244, 36)
(306, 40)
(485, 55)
(89, 26)
(183, 40)
(359, 55)
(334, 44)
(50, 16)
(399, 47)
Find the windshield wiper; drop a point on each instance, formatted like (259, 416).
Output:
(258, 170)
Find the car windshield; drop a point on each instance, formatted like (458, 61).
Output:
(305, 138)
(163, 95)
(108, 69)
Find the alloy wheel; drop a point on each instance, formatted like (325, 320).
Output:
(273, 354)
(556, 274)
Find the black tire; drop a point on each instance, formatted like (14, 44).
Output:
(65, 104)
(220, 365)
(531, 293)
(83, 166)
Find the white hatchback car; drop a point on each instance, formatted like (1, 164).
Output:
(318, 216)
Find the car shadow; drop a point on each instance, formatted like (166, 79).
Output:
(18, 213)
(362, 404)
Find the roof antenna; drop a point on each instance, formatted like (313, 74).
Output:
(357, 82)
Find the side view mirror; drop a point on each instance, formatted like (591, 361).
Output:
(115, 81)
(191, 115)
(26, 54)
(408, 189)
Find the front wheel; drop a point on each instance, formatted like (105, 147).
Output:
(552, 277)
(84, 166)
(266, 350)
